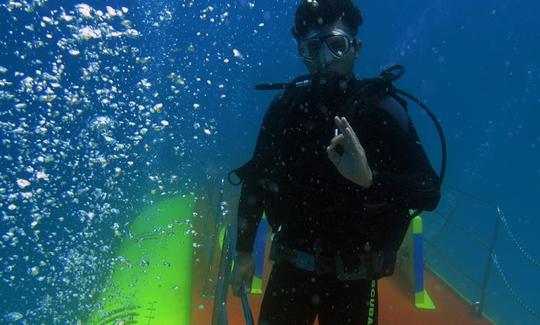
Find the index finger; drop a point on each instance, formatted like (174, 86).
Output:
(343, 124)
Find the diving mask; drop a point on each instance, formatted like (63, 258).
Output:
(337, 41)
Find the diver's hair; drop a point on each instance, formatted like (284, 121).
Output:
(324, 12)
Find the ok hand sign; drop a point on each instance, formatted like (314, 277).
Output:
(352, 164)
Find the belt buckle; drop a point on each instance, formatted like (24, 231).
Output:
(305, 261)
(324, 265)
(349, 276)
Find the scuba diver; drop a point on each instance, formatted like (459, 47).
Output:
(336, 169)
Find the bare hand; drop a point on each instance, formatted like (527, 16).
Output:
(244, 268)
(352, 164)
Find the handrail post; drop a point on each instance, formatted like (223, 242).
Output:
(218, 218)
(478, 307)
(219, 314)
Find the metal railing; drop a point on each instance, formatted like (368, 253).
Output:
(219, 314)
(227, 256)
(478, 306)
(217, 220)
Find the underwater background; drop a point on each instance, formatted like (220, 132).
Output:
(107, 107)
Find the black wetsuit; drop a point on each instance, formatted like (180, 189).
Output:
(317, 210)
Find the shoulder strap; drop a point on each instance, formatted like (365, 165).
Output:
(368, 92)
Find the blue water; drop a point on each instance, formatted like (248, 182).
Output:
(109, 123)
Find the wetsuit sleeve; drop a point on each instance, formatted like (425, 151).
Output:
(252, 195)
(413, 183)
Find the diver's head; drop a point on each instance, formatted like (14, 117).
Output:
(325, 31)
